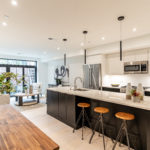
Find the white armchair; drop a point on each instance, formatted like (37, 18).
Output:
(37, 88)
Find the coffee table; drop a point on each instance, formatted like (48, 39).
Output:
(19, 97)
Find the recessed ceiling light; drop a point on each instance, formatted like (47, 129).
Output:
(103, 38)
(134, 29)
(4, 24)
(82, 44)
(14, 3)
(58, 48)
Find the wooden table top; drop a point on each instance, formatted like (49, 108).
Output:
(24, 94)
(18, 133)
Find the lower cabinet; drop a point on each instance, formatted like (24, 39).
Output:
(52, 103)
(62, 107)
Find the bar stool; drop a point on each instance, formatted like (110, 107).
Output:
(83, 115)
(123, 129)
(101, 111)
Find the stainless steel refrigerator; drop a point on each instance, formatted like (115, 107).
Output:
(92, 76)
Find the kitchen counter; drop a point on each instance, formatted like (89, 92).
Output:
(111, 97)
(62, 104)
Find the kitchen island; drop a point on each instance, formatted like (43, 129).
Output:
(62, 104)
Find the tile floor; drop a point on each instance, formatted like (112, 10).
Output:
(62, 134)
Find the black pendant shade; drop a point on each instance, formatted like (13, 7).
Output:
(120, 18)
(120, 50)
(64, 40)
(85, 33)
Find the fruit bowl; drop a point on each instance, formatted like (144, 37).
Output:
(115, 85)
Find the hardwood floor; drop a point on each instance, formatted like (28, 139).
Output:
(18, 133)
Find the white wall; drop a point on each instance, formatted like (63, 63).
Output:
(73, 63)
(42, 75)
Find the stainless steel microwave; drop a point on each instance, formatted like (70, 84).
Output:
(136, 67)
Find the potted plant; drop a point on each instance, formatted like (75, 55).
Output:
(25, 88)
(8, 82)
(58, 81)
(135, 95)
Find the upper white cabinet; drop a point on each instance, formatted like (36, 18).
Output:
(116, 67)
(113, 65)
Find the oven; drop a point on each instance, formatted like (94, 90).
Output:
(136, 67)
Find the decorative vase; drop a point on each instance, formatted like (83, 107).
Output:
(136, 99)
(141, 91)
(128, 91)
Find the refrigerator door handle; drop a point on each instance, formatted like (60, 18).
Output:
(89, 77)
(92, 78)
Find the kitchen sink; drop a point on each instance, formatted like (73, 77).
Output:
(81, 90)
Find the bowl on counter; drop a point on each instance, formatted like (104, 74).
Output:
(115, 85)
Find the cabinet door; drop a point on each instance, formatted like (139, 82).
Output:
(52, 103)
(71, 113)
(62, 106)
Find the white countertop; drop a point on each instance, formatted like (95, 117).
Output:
(112, 97)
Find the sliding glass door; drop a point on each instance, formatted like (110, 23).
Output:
(30, 75)
(23, 68)
(19, 72)
(2, 70)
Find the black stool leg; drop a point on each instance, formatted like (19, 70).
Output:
(78, 120)
(102, 130)
(82, 121)
(122, 129)
(127, 136)
(86, 116)
(118, 136)
(97, 122)
(121, 138)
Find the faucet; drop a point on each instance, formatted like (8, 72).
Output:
(75, 80)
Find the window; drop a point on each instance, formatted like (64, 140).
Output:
(23, 68)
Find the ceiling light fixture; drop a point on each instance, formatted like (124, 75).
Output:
(120, 19)
(85, 41)
(50, 38)
(134, 29)
(14, 3)
(4, 24)
(65, 40)
(103, 38)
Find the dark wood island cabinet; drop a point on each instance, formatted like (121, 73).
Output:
(63, 106)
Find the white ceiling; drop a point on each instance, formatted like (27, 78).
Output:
(33, 21)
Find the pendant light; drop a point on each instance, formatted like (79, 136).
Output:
(64, 40)
(85, 40)
(120, 19)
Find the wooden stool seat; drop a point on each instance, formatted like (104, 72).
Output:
(101, 110)
(84, 105)
(125, 116)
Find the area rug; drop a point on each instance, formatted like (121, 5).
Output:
(28, 107)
